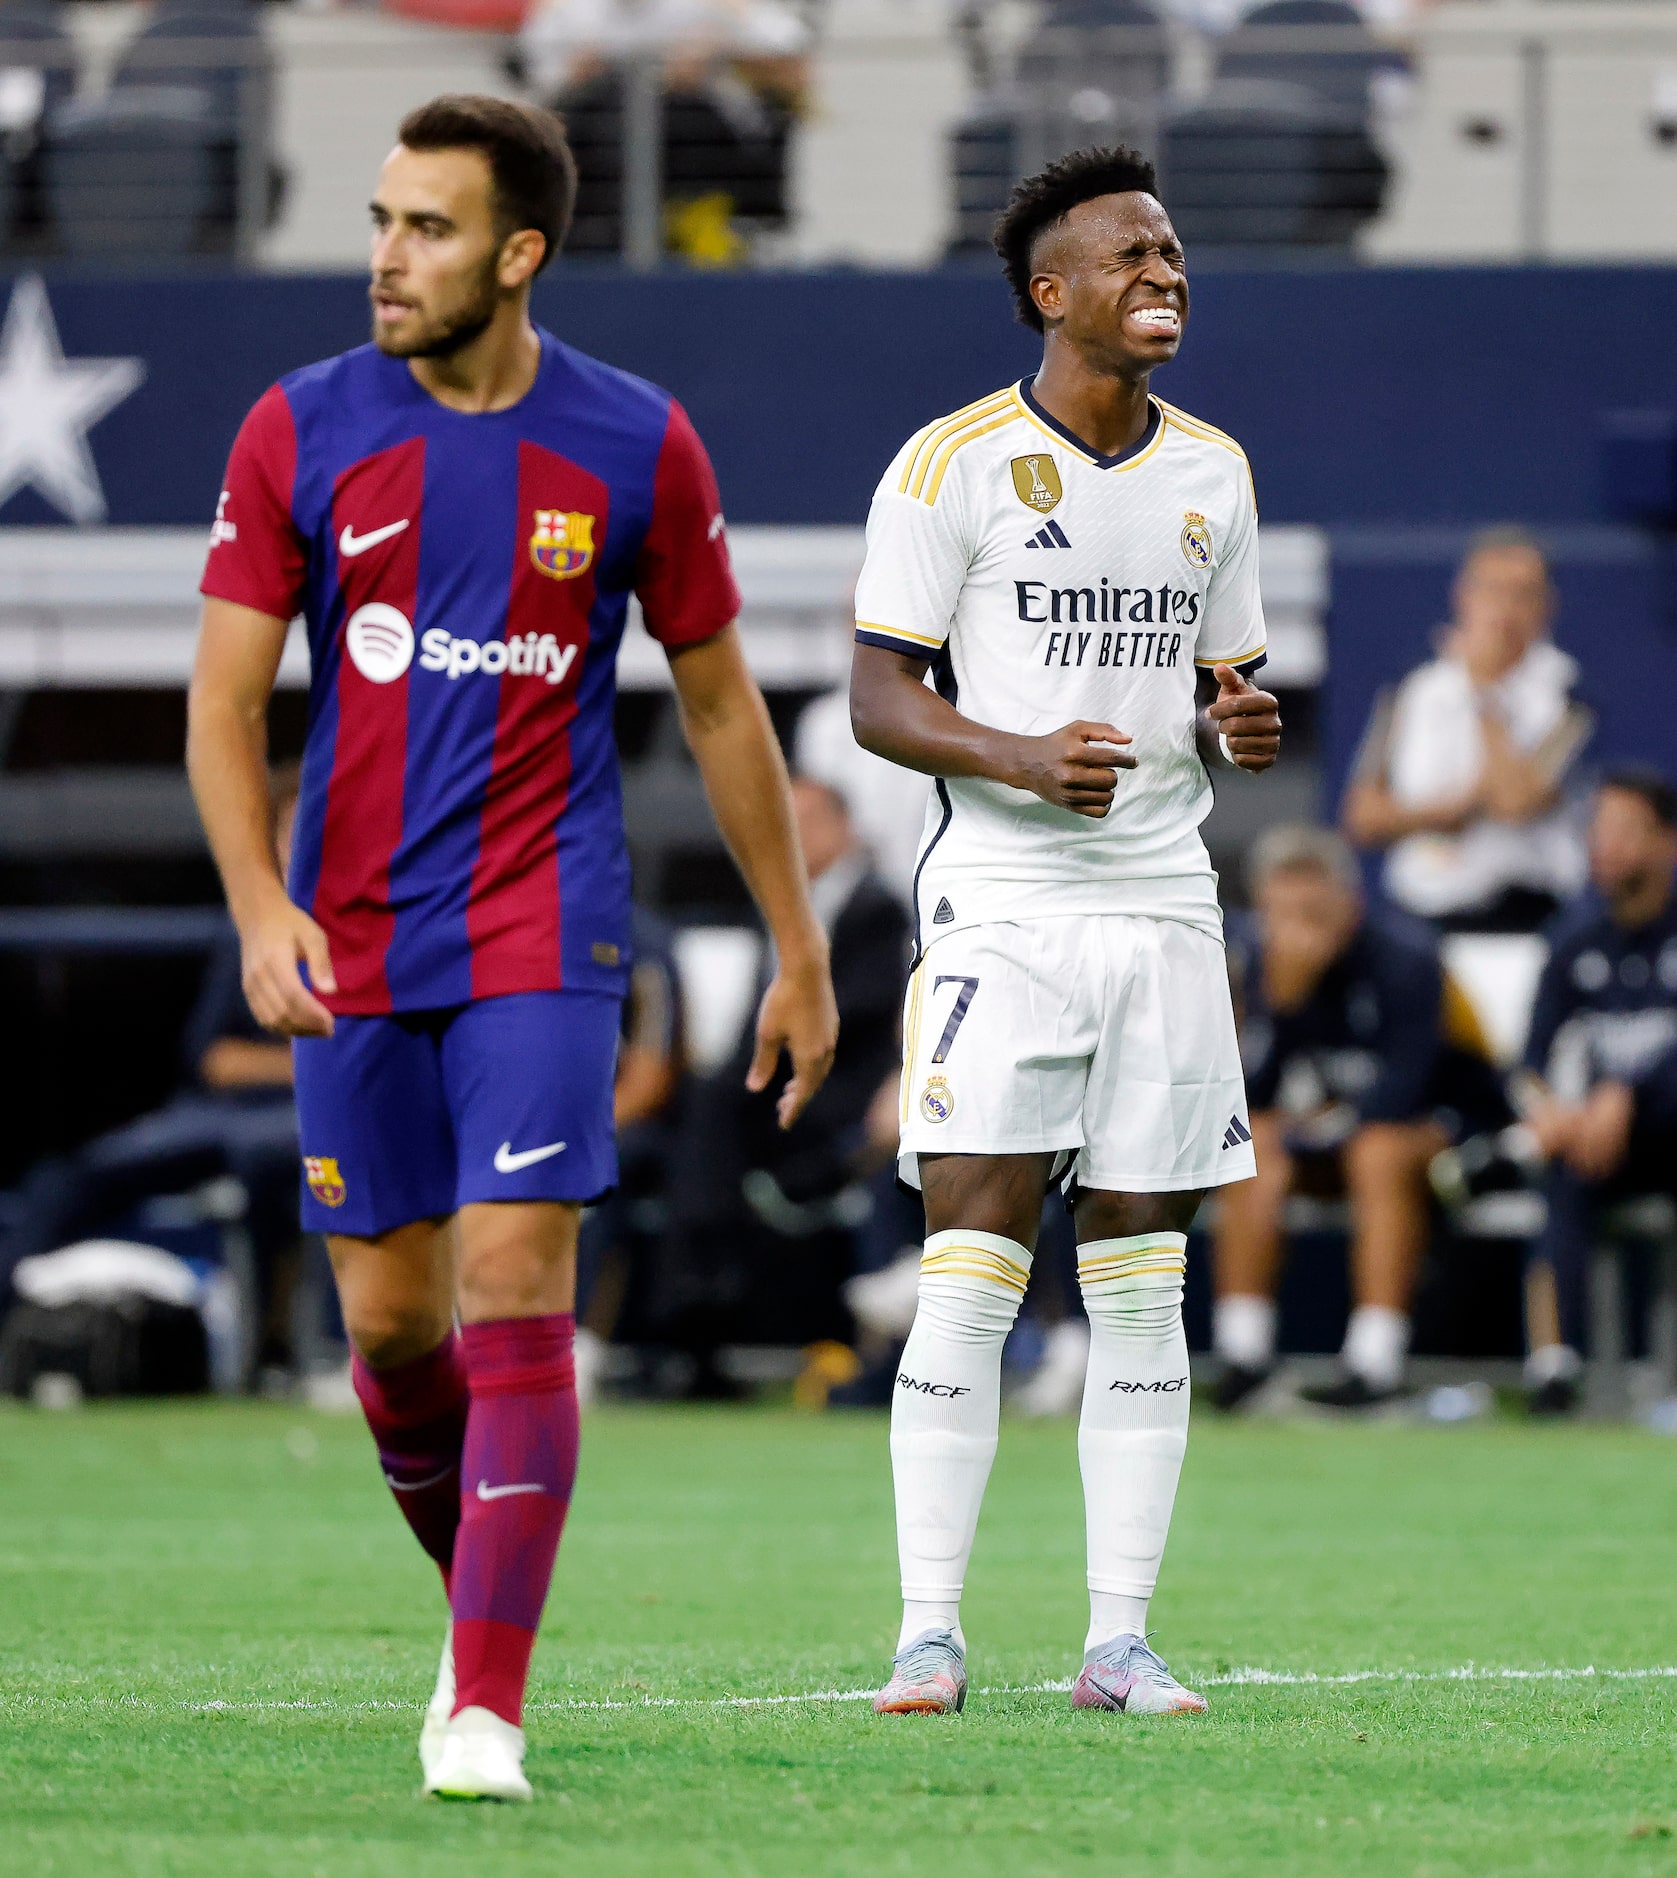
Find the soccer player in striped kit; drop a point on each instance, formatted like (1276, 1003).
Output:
(461, 511)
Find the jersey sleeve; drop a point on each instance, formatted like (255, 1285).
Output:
(917, 560)
(685, 579)
(257, 555)
(1232, 632)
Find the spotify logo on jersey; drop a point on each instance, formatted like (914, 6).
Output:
(380, 642)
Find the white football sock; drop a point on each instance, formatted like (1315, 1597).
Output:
(944, 1413)
(1134, 1430)
(1243, 1330)
(1376, 1344)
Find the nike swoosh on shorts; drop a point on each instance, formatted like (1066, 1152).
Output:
(487, 1492)
(506, 1162)
(352, 544)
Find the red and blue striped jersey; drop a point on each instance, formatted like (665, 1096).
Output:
(465, 579)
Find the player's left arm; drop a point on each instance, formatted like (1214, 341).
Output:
(1235, 723)
(727, 727)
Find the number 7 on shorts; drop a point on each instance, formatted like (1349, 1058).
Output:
(963, 1002)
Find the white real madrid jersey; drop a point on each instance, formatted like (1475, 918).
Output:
(1046, 584)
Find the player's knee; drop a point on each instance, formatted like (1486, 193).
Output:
(390, 1331)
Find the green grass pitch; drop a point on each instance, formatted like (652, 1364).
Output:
(215, 1638)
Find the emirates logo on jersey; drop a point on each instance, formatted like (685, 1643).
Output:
(562, 545)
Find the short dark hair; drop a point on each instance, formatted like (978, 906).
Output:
(529, 160)
(1041, 200)
(1642, 779)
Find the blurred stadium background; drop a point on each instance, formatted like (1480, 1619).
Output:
(1434, 255)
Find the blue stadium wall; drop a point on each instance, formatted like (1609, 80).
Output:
(1396, 408)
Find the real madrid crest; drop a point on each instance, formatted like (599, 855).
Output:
(937, 1099)
(1036, 482)
(1196, 539)
(562, 545)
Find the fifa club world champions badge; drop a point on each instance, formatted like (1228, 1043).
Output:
(937, 1099)
(1036, 482)
(562, 545)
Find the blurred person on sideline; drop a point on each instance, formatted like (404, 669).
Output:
(1461, 773)
(887, 805)
(1598, 1090)
(733, 78)
(234, 1114)
(1363, 1061)
(738, 1183)
(651, 1062)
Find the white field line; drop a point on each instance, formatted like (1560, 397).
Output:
(1234, 1678)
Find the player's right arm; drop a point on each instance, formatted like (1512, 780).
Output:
(233, 675)
(253, 585)
(917, 560)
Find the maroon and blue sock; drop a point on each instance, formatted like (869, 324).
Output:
(515, 1488)
(417, 1412)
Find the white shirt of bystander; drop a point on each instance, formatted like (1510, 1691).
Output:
(1436, 754)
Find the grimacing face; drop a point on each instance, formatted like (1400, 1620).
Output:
(440, 265)
(1111, 275)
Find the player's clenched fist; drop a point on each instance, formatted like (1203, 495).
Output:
(1075, 768)
(1247, 719)
(272, 943)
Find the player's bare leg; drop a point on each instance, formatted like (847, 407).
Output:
(1385, 1167)
(981, 1218)
(516, 1285)
(1131, 1257)
(1247, 1250)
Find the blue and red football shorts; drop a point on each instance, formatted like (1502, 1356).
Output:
(413, 1115)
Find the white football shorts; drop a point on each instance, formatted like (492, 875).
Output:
(1107, 1036)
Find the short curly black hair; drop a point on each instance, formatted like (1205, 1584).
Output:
(1041, 200)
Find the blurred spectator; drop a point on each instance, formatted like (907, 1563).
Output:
(234, 1115)
(1363, 1060)
(742, 1188)
(733, 77)
(618, 1233)
(1461, 772)
(887, 804)
(1599, 1088)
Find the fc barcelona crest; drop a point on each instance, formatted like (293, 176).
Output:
(325, 1182)
(563, 543)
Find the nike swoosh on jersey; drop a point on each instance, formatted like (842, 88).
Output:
(487, 1492)
(506, 1162)
(352, 544)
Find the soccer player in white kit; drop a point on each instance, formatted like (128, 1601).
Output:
(1077, 564)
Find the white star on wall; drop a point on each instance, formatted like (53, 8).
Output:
(49, 403)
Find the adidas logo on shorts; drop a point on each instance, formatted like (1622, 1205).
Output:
(1236, 1133)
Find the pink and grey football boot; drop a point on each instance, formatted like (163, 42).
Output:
(929, 1677)
(1124, 1674)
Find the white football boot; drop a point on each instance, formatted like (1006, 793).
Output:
(482, 1758)
(439, 1708)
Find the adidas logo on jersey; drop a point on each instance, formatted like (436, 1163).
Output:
(944, 914)
(1236, 1133)
(1053, 536)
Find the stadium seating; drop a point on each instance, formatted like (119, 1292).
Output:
(37, 75)
(134, 174)
(1322, 45)
(1261, 163)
